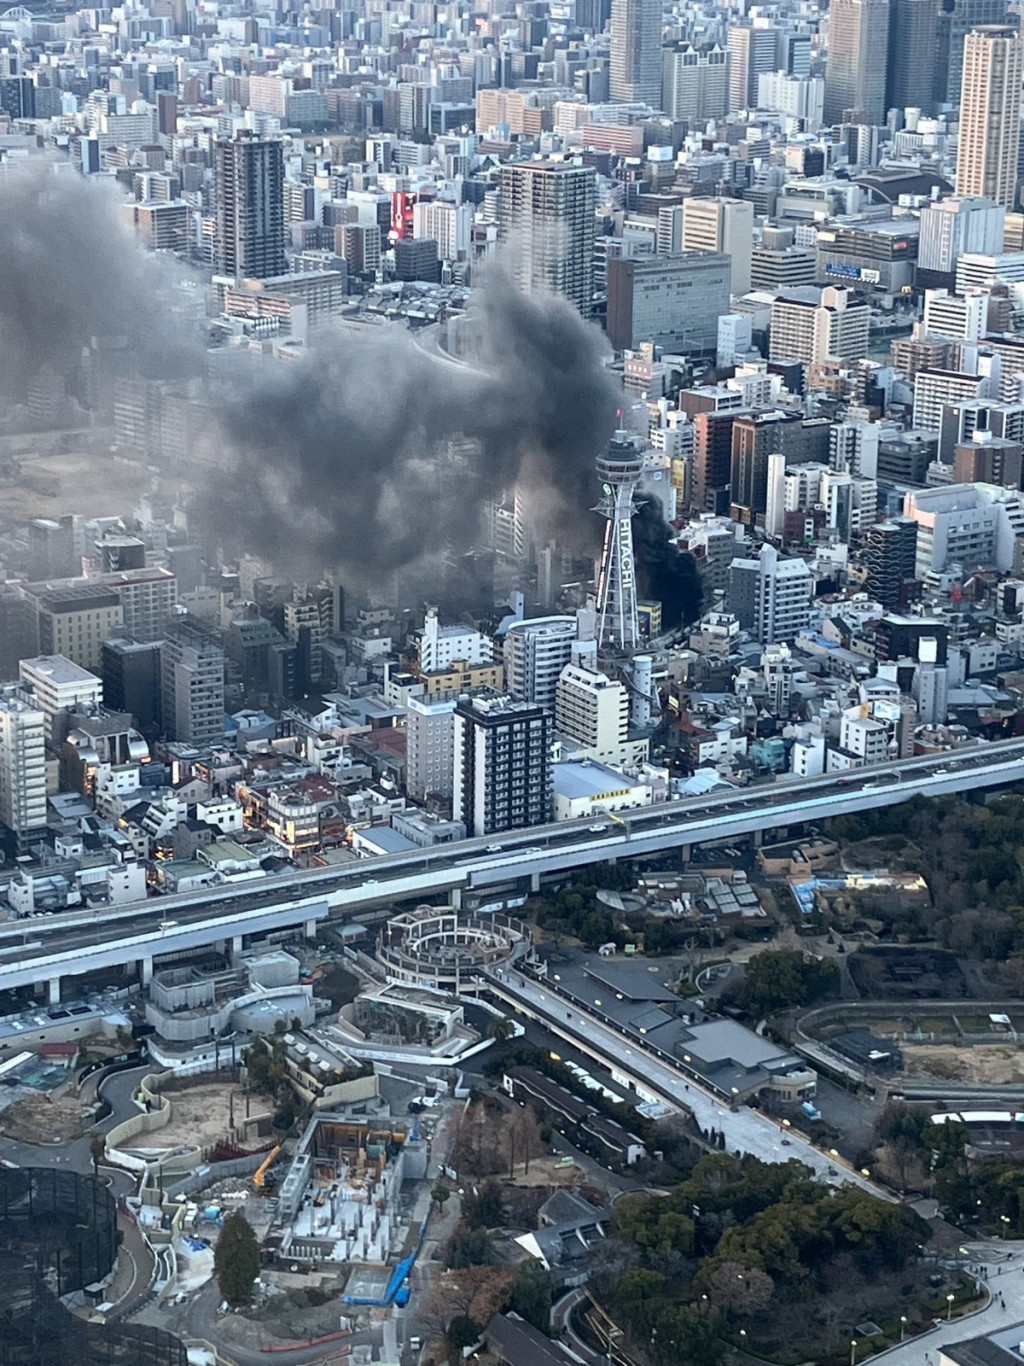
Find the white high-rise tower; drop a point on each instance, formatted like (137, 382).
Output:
(619, 468)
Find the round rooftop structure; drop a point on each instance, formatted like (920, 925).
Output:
(621, 463)
(445, 949)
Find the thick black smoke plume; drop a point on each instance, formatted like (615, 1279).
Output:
(667, 575)
(342, 458)
(70, 271)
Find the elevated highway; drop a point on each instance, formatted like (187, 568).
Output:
(45, 949)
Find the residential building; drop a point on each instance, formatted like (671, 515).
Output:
(810, 326)
(430, 748)
(889, 551)
(249, 190)
(546, 211)
(592, 711)
(974, 526)
(192, 683)
(951, 227)
(502, 770)
(771, 596)
(22, 765)
(989, 137)
(536, 651)
(440, 647)
(987, 459)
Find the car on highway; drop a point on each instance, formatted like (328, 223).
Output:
(597, 829)
(167, 924)
(493, 849)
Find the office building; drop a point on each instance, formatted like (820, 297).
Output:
(956, 18)
(695, 82)
(192, 683)
(812, 325)
(962, 317)
(546, 213)
(722, 225)
(973, 526)
(130, 670)
(57, 685)
(712, 461)
(592, 711)
(502, 765)
(22, 765)
(987, 459)
(858, 48)
(635, 67)
(753, 52)
(755, 437)
(76, 620)
(799, 97)
(249, 191)
(889, 553)
(951, 228)
(989, 137)
(913, 55)
(430, 748)
(536, 651)
(771, 596)
(672, 301)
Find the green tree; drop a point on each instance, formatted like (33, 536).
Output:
(779, 978)
(462, 1332)
(469, 1247)
(500, 1030)
(440, 1193)
(236, 1259)
(97, 1151)
(530, 1294)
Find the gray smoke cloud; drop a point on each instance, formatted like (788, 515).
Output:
(71, 270)
(341, 457)
(337, 460)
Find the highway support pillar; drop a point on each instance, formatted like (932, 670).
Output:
(310, 929)
(236, 945)
(758, 838)
(146, 971)
(535, 882)
(53, 991)
(457, 898)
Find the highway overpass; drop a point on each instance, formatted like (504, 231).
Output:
(45, 949)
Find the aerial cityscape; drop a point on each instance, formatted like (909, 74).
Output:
(512, 683)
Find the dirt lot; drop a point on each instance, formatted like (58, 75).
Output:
(60, 1120)
(94, 485)
(996, 1063)
(201, 1115)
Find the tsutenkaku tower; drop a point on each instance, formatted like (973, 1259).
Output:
(619, 468)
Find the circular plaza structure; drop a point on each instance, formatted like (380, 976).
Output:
(445, 949)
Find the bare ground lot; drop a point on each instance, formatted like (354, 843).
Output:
(42, 1118)
(993, 1064)
(94, 485)
(201, 1116)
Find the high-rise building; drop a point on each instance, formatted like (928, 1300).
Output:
(192, 683)
(22, 765)
(502, 764)
(890, 555)
(695, 82)
(722, 225)
(755, 436)
(753, 52)
(131, 679)
(249, 189)
(672, 301)
(956, 18)
(546, 211)
(989, 138)
(811, 326)
(961, 421)
(913, 54)
(858, 47)
(592, 711)
(536, 651)
(430, 748)
(635, 73)
(853, 448)
(771, 596)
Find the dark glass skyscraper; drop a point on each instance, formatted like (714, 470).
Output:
(858, 45)
(913, 55)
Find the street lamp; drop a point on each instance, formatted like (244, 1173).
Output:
(949, 1305)
(1004, 1219)
(903, 1326)
(853, 1351)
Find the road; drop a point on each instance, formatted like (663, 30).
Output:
(65, 944)
(1001, 1266)
(745, 1130)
